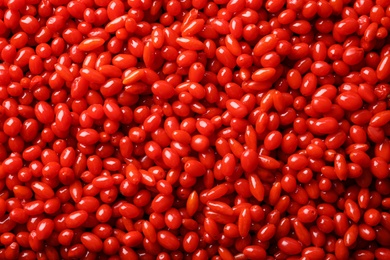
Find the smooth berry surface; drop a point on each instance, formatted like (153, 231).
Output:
(194, 129)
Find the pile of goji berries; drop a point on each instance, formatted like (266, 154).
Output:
(194, 129)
